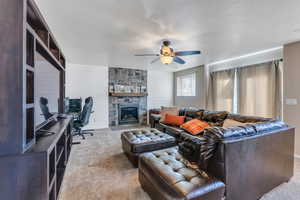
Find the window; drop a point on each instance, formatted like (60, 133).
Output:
(186, 85)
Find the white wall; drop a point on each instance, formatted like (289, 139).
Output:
(46, 84)
(160, 89)
(83, 81)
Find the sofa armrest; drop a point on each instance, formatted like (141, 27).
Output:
(199, 149)
(189, 146)
(154, 119)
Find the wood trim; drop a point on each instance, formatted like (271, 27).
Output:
(128, 94)
(297, 156)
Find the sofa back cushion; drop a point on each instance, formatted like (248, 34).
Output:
(195, 114)
(194, 126)
(215, 117)
(184, 111)
(169, 110)
(173, 120)
(247, 119)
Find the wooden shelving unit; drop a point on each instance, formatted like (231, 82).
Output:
(56, 150)
(30, 167)
(128, 94)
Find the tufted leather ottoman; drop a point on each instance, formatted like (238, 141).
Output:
(164, 176)
(135, 142)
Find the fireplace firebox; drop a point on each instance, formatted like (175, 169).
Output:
(128, 114)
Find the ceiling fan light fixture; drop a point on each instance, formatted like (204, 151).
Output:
(166, 59)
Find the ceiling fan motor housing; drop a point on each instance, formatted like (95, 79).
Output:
(166, 43)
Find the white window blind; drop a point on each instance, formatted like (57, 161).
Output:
(186, 85)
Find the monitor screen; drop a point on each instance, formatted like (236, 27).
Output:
(46, 86)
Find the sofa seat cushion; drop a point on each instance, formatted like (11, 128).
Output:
(174, 131)
(231, 123)
(138, 141)
(167, 167)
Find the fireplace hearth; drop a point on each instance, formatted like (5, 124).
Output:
(128, 114)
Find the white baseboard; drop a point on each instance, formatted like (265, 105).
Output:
(297, 156)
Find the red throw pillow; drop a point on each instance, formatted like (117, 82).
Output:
(174, 119)
(194, 126)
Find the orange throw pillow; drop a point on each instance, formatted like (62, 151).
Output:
(174, 119)
(169, 110)
(194, 126)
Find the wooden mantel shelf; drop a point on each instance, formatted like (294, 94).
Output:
(128, 94)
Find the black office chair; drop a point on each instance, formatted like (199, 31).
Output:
(44, 108)
(84, 118)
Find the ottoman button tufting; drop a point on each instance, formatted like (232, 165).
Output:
(136, 142)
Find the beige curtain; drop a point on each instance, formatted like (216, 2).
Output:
(259, 90)
(221, 90)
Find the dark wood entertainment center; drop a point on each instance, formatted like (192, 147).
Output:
(31, 168)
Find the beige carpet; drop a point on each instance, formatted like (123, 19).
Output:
(98, 170)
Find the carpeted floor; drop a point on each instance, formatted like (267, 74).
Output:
(98, 170)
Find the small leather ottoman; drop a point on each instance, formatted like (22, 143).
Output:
(164, 176)
(136, 142)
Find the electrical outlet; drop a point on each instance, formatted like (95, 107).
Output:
(291, 101)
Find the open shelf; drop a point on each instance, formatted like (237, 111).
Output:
(62, 60)
(42, 49)
(29, 87)
(60, 147)
(29, 125)
(44, 36)
(52, 166)
(29, 49)
(53, 48)
(59, 179)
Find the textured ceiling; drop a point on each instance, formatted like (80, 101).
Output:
(110, 32)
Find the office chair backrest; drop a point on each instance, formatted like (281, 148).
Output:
(44, 108)
(86, 111)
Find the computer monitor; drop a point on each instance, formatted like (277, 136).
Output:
(75, 105)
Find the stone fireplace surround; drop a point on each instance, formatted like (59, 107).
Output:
(127, 77)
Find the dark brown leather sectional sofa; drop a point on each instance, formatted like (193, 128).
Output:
(250, 160)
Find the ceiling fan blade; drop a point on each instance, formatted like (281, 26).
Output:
(178, 60)
(146, 55)
(155, 60)
(187, 53)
